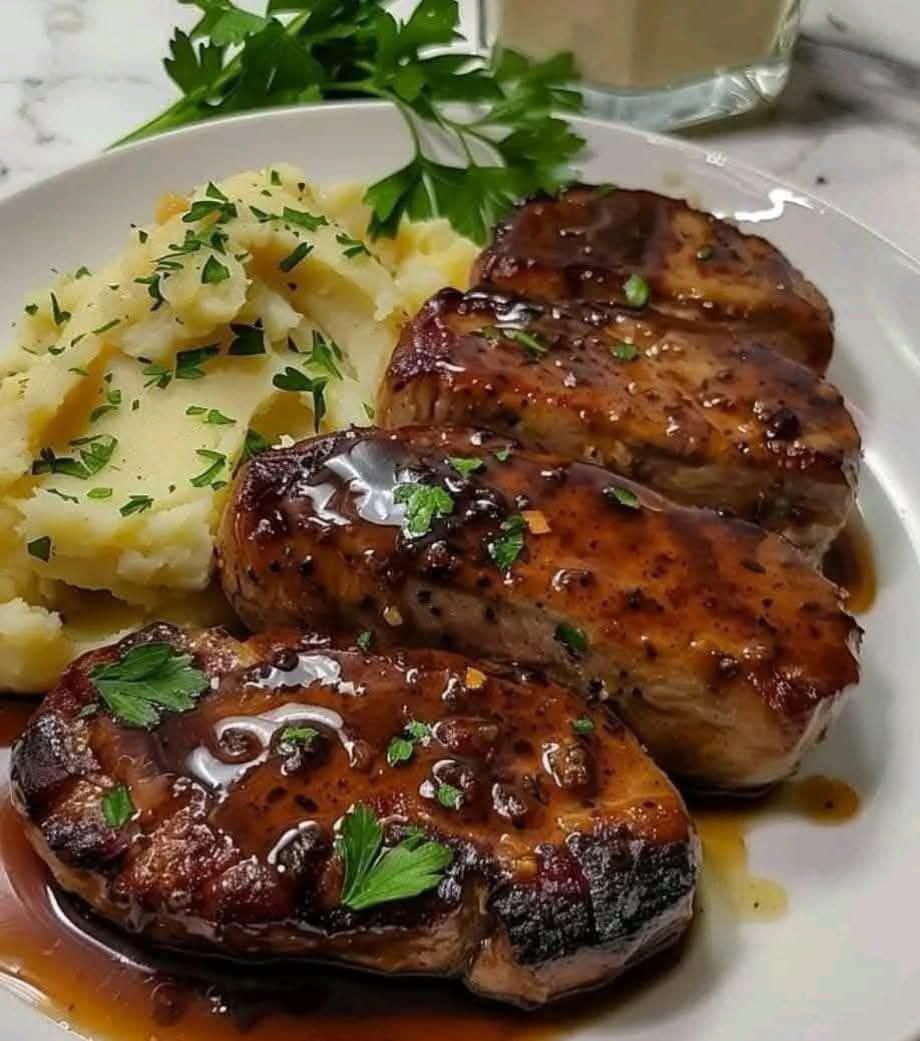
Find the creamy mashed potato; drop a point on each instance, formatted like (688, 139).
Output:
(251, 310)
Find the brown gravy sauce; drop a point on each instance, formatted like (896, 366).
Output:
(851, 564)
(103, 985)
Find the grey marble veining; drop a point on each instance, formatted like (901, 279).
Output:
(77, 74)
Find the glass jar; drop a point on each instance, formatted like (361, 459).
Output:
(659, 64)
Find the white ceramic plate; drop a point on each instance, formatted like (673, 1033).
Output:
(843, 964)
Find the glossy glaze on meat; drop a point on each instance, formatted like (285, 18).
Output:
(573, 854)
(586, 242)
(714, 640)
(697, 411)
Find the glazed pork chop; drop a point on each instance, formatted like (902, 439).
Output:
(697, 411)
(284, 796)
(587, 242)
(714, 640)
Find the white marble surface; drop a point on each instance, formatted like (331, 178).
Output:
(76, 74)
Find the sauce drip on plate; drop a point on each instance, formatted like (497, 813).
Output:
(851, 564)
(724, 827)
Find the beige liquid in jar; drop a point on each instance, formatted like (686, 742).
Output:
(644, 44)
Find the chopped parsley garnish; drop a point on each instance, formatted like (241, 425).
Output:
(300, 252)
(505, 548)
(705, 253)
(147, 681)
(82, 272)
(247, 340)
(31, 309)
(209, 415)
(300, 383)
(201, 208)
(402, 747)
(40, 548)
(400, 750)
(583, 725)
(376, 876)
(364, 641)
(105, 328)
(449, 796)
(118, 806)
(142, 236)
(99, 493)
(532, 344)
(324, 354)
(616, 493)
(112, 403)
(310, 221)
(158, 376)
(424, 504)
(418, 730)
(298, 735)
(152, 282)
(95, 453)
(624, 352)
(62, 495)
(636, 290)
(136, 504)
(59, 316)
(369, 411)
(216, 462)
(253, 444)
(572, 637)
(351, 247)
(466, 465)
(502, 454)
(214, 271)
(274, 177)
(189, 363)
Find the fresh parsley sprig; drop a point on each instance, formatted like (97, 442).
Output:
(373, 877)
(499, 113)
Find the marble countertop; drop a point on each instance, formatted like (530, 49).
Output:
(77, 74)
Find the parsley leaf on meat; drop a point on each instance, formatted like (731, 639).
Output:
(424, 504)
(466, 465)
(118, 806)
(148, 680)
(375, 877)
(505, 548)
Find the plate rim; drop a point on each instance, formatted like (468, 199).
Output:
(649, 137)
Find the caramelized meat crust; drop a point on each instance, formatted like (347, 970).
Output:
(714, 640)
(698, 411)
(586, 242)
(573, 856)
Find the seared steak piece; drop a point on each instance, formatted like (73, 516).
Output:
(699, 412)
(714, 640)
(588, 241)
(566, 855)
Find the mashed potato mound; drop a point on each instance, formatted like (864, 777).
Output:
(252, 310)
